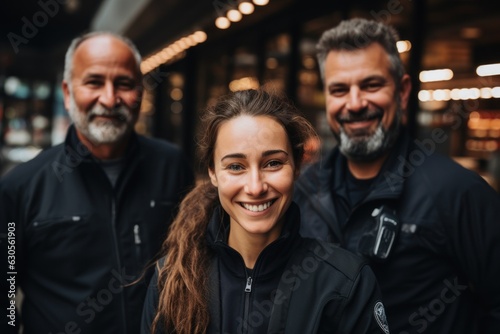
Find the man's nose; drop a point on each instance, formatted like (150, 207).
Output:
(108, 97)
(355, 100)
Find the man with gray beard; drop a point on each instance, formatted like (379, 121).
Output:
(90, 214)
(428, 227)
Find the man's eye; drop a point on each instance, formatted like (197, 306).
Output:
(125, 85)
(93, 83)
(337, 91)
(372, 86)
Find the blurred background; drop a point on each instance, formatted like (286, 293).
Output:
(195, 51)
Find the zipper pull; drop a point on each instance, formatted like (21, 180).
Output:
(137, 237)
(248, 287)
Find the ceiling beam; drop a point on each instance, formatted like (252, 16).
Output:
(117, 15)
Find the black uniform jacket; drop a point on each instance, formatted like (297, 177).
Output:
(79, 242)
(297, 286)
(442, 275)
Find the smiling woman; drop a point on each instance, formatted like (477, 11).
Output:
(234, 257)
(254, 179)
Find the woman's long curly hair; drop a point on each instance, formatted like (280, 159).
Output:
(183, 277)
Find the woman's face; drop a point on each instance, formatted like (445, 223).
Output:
(254, 172)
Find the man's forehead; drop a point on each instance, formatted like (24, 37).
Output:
(104, 54)
(100, 42)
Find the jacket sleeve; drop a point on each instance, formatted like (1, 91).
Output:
(10, 248)
(364, 311)
(474, 231)
(150, 305)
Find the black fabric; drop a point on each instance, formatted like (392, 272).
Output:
(299, 286)
(112, 168)
(80, 242)
(357, 189)
(440, 277)
(265, 274)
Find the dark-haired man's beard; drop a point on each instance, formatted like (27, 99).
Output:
(370, 145)
(101, 131)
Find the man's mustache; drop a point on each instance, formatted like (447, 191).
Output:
(360, 116)
(121, 113)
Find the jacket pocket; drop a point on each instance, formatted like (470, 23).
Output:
(69, 236)
(44, 223)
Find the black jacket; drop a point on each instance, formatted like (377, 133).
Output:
(442, 275)
(297, 286)
(79, 241)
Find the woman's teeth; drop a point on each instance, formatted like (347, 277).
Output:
(257, 208)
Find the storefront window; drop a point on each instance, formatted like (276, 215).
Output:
(245, 71)
(216, 76)
(277, 62)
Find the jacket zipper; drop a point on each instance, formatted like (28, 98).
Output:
(117, 252)
(246, 311)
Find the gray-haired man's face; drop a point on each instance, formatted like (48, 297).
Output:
(363, 104)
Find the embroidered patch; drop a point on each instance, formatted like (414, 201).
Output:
(379, 313)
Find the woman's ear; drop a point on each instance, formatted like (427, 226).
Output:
(296, 174)
(213, 177)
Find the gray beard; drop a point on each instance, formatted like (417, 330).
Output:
(371, 147)
(101, 132)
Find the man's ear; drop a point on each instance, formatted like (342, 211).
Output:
(404, 93)
(66, 94)
(213, 177)
(140, 93)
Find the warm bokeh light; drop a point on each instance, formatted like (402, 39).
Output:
(436, 75)
(424, 95)
(441, 95)
(234, 15)
(486, 93)
(172, 51)
(246, 8)
(222, 22)
(200, 36)
(272, 63)
(244, 83)
(176, 94)
(459, 94)
(261, 2)
(403, 46)
(488, 70)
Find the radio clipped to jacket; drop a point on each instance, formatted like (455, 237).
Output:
(378, 241)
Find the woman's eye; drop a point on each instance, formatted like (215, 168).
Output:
(274, 164)
(234, 168)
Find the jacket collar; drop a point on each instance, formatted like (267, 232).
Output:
(76, 155)
(387, 184)
(272, 258)
(74, 149)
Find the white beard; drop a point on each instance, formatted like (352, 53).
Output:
(100, 131)
(369, 144)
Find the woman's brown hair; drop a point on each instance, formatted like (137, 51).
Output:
(183, 277)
